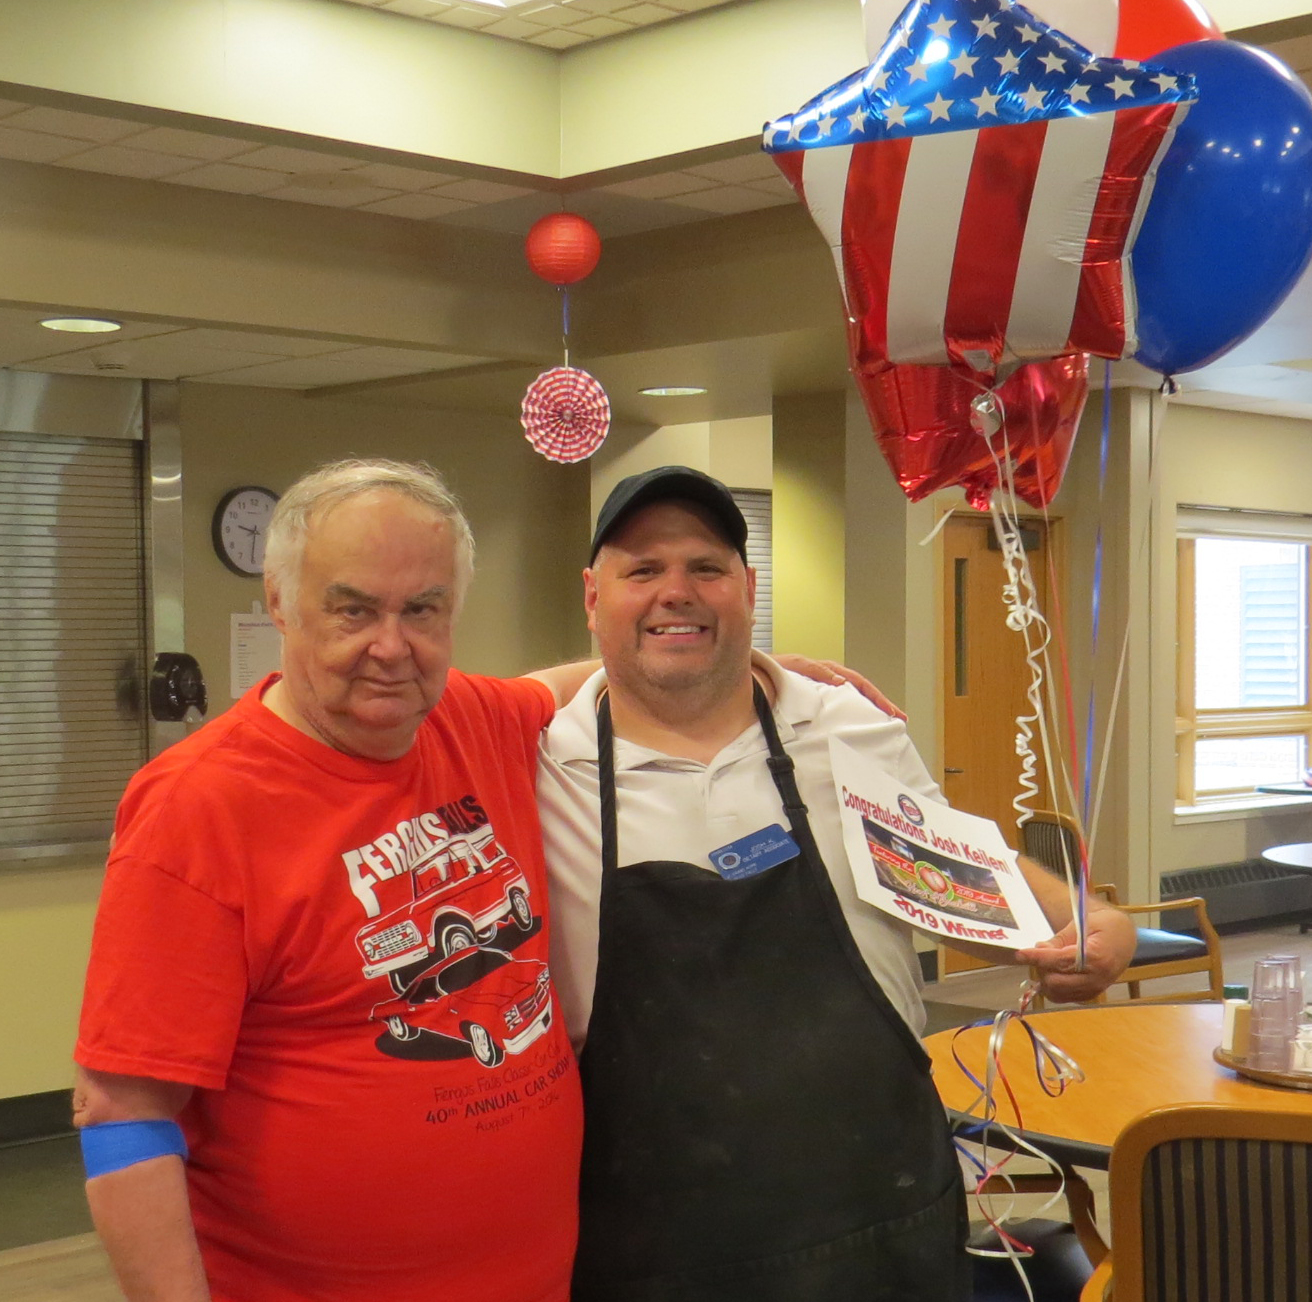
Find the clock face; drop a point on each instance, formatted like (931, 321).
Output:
(241, 521)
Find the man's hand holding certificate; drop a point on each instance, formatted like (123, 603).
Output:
(949, 873)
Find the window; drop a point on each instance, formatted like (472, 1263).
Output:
(756, 506)
(72, 726)
(1243, 707)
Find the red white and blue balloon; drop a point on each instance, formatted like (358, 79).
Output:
(979, 184)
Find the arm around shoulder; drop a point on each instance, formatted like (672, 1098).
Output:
(140, 1209)
(564, 681)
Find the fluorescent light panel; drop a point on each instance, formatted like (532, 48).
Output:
(673, 391)
(82, 325)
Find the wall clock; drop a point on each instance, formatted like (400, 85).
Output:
(241, 522)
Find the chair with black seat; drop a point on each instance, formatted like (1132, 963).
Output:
(1053, 840)
(1210, 1201)
(1060, 1266)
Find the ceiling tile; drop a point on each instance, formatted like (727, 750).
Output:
(774, 185)
(602, 6)
(730, 199)
(406, 360)
(23, 339)
(757, 166)
(558, 38)
(514, 28)
(483, 191)
(349, 367)
(644, 13)
(34, 147)
(415, 8)
(230, 177)
(254, 341)
(601, 26)
(550, 15)
(280, 158)
(611, 214)
(352, 197)
(694, 6)
(116, 160)
(391, 177)
(420, 207)
(459, 16)
(663, 186)
(168, 357)
(189, 144)
(8, 106)
(81, 126)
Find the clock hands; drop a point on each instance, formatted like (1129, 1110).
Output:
(254, 532)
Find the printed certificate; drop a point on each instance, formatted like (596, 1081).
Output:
(949, 873)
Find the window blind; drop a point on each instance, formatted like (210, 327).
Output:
(72, 644)
(757, 509)
(1236, 522)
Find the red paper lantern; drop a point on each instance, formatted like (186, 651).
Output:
(563, 248)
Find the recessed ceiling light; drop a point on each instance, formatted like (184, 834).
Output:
(673, 391)
(82, 325)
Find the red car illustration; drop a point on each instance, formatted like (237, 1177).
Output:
(460, 895)
(495, 1003)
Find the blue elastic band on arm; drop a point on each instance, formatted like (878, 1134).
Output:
(112, 1145)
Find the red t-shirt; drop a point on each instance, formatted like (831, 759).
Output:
(349, 1142)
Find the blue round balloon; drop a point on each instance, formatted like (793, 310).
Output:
(1228, 230)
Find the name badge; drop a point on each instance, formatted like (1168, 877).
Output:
(754, 854)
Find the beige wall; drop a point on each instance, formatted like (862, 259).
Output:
(810, 451)
(529, 515)
(45, 935)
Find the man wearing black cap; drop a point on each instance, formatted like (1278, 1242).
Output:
(760, 1120)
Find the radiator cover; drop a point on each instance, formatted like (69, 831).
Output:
(1243, 892)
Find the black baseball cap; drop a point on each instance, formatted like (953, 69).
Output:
(660, 486)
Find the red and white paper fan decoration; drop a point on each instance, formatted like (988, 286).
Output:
(565, 414)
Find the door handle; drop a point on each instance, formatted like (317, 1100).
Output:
(946, 772)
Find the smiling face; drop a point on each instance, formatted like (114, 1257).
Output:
(367, 649)
(670, 601)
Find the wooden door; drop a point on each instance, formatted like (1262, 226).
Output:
(985, 677)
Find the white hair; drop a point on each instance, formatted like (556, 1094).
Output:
(327, 487)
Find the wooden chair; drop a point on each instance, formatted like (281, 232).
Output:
(1053, 840)
(1210, 1202)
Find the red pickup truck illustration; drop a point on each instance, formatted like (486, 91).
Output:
(461, 894)
(495, 1003)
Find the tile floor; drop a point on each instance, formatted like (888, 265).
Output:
(47, 1253)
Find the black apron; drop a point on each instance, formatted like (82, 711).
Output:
(761, 1125)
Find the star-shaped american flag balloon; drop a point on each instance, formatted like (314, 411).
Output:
(980, 184)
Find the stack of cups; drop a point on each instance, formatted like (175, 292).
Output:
(1277, 1011)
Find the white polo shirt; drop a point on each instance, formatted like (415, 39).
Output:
(682, 810)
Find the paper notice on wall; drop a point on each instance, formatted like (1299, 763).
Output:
(949, 873)
(254, 650)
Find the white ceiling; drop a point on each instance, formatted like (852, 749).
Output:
(1268, 373)
(160, 351)
(555, 24)
(419, 190)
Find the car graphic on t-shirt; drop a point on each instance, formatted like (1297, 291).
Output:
(495, 1003)
(461, 894)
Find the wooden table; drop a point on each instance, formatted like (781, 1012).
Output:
(1134, 1056)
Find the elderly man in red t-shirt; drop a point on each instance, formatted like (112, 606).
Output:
(320, 950)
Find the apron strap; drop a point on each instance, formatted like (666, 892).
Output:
(610, 841)
(784, 773)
